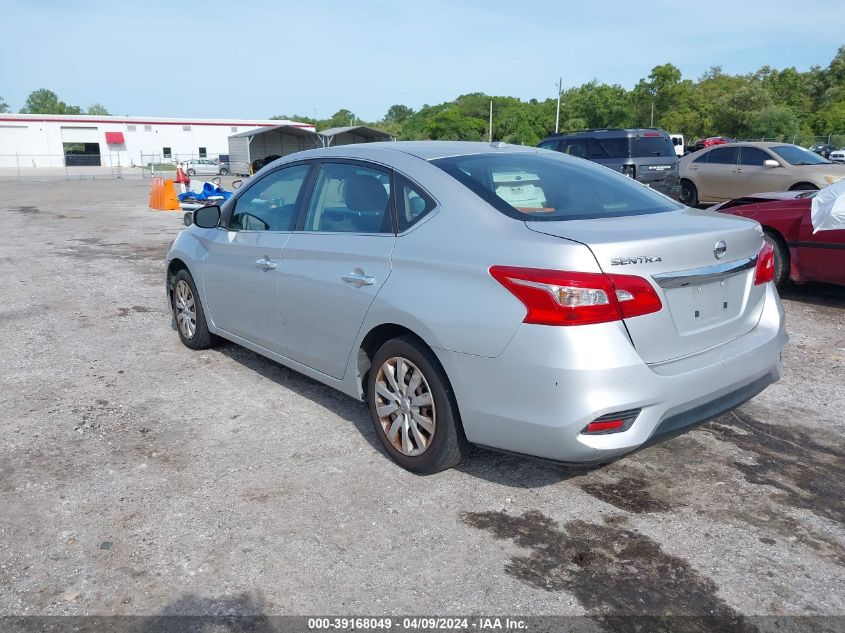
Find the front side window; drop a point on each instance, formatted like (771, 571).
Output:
(795, 155)
(552, 187)
(548, 145)
(753, 156)
(723, 156)
(412, 203)
(270, 204)
(350, 198)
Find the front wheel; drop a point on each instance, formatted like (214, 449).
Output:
(781, 254)
(189, 314)
(224, 172)
(413, 407)
(192, 172)
(689, 193)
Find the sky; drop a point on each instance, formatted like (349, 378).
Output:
(258, 58)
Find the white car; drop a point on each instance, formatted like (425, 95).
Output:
(838, 156)
(204, 167)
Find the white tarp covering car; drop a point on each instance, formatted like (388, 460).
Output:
(828, 208)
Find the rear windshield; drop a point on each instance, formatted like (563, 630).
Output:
(648, 146)
(795, 155)
(552, 186)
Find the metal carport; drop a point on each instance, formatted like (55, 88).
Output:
(248, 150)
(356, 134)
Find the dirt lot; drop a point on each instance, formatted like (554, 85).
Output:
(139, 477)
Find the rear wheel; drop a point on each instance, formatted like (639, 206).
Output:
(689, 193)
(413, 407)
(781, 253)
(804, 186)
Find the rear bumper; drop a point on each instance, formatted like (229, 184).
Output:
(550, 382)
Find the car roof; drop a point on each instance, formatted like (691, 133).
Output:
(610, 131)
(426, 150)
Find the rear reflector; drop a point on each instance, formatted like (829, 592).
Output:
(612, 423)
(595, 427)
(765, 265)
(558, 297)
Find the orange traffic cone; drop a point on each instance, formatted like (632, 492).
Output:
(182, 179)
(163, 195)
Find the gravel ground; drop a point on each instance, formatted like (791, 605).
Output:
(140, 478)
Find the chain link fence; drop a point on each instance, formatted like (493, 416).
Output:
(804, 140)
(82, 166)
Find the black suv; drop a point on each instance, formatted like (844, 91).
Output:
(645, 154)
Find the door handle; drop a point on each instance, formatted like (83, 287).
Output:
(265, 264)
(358, 278)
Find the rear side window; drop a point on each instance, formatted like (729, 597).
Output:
(723, 156)
(552, 187)
(753, 156)
(574, 147)
(608, 148)
(350, 198)
(702, 158)
(650, 146)
(412, 203)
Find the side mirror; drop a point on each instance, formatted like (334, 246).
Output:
(188, 218)
(207, 217)
(236, 184)
(771, 163)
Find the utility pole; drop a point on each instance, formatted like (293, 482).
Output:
(557, 116)
(652, 113)
(490, 124)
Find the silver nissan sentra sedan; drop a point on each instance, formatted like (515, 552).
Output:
(473, 293)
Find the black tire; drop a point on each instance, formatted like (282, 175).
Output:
(689, 193)
(804, 186)
(199, 337)
(448, 445)
(781, 258)
(224, 172)
(192, 172)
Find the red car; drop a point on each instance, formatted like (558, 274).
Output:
(800, 254)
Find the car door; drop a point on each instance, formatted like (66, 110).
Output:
(821, 254)
(751, 175)
(243, 262)
(714, 174)
(208, 167)
(335, 263)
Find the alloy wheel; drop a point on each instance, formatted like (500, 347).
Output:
(186, 310)
(405, 406)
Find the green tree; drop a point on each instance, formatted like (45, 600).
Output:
(342, 118)
(773, 121)
(98, 109)
(45, 101)
(4, 107)
(736, 112)
(398, 114)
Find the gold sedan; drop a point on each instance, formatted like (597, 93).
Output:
(730, 171)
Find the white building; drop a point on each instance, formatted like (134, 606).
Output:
(53, 140)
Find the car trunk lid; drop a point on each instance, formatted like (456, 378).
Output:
(707, 300)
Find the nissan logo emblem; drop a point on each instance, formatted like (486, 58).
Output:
(720, 249)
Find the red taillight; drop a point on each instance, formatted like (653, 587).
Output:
(765, 265)
(556, 297)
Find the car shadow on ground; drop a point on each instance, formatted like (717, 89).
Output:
(514, 471)
(817, 294)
